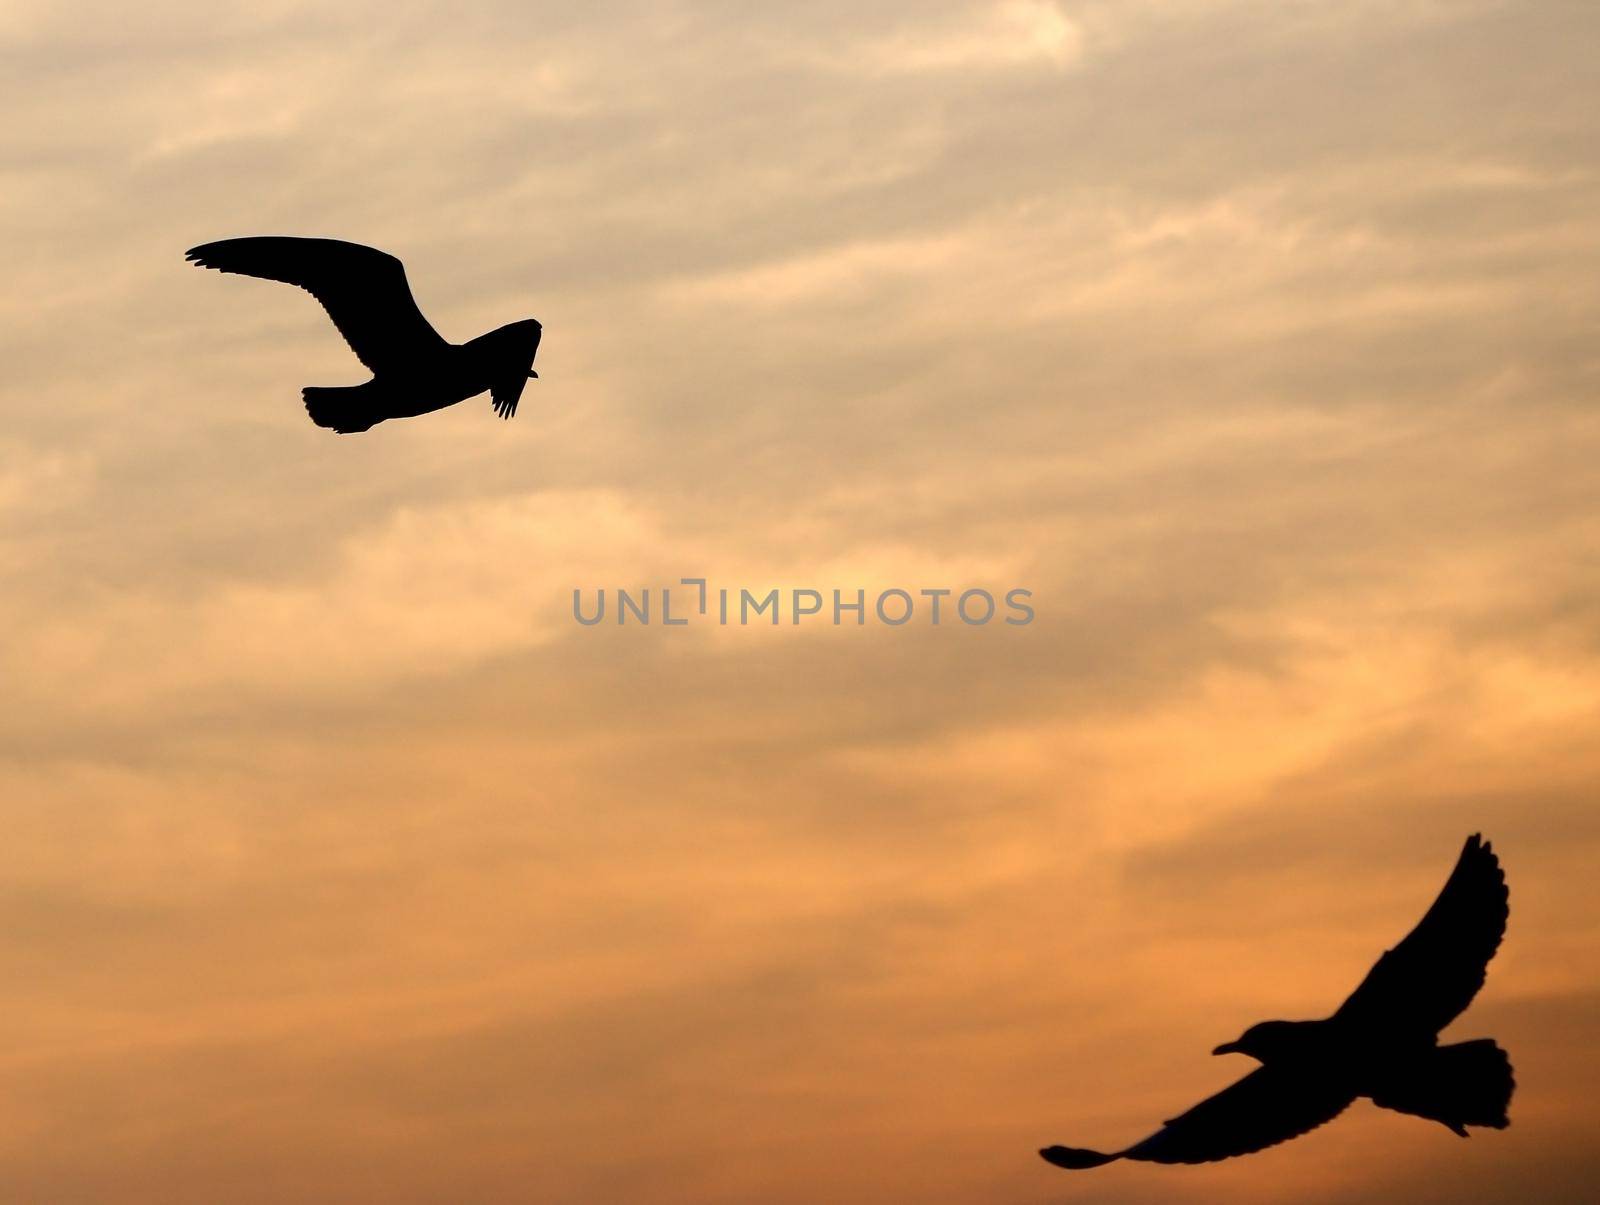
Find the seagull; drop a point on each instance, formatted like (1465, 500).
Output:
(364, 290)
(1382, 1043)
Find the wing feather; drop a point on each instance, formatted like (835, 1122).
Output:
(1426, 981)
(363, 289)
(1266, 1107)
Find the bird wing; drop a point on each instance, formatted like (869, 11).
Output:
(1426, 981)
(1268, 1106)
(363, 289)
(505, 399)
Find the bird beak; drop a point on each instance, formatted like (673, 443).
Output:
(1227, 1048)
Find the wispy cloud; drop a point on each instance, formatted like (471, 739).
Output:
(1007, 34)
(1255, 338)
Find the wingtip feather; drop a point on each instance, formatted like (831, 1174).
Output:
(201, 256)
(1075, 1158)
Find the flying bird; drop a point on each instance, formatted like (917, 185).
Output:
(1381, 1043)
(364, 290)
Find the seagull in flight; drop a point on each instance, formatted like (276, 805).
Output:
(1382, 1043)
(364, 290)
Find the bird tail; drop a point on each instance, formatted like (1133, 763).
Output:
(1074, 1158)
(1467, 1084)
(346, 409)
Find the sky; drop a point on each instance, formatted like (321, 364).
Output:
(1257, 340)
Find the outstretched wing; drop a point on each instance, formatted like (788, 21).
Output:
(1426, 981)
(363, 289)
(1266, 1107)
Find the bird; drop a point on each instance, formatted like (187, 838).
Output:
(1381, 1043)
(414, 370)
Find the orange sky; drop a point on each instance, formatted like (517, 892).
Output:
(1257, 339)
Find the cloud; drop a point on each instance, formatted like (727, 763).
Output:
(1256, 339)
(1008, 34)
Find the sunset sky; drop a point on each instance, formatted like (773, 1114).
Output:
(1260, 339)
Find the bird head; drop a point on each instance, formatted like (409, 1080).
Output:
(508, 352)
(1264, 1041)
(527, 342)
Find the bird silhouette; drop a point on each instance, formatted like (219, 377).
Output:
(1381, 1043)
(364, 290)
